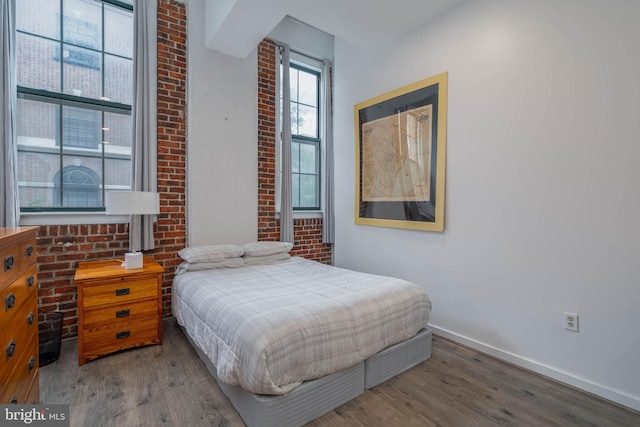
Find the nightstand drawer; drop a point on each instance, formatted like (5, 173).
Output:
(119, 336)
(119, 291)
(125, 312)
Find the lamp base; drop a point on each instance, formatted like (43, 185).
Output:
(132, 260)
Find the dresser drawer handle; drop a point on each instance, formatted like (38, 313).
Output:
(11, 349)
(9, 301)
(8, 263)
(123, 334)
(122, 313)
(32, 363)
(29, 250)
(30, 281)
(121, 292)
(14, 400)
(30, 318)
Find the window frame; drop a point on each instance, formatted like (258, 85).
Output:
(61, 99)
(312, 66)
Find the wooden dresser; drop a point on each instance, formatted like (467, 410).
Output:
(19, 380)
(117, 308)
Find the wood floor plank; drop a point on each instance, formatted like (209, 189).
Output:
(168, 385)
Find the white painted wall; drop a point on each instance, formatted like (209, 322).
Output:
(222, 164)
(543, 194)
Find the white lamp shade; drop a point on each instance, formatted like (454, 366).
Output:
(132, 203)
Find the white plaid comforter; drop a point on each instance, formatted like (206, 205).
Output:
(267, 328)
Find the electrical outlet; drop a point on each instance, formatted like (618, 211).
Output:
(571, 321)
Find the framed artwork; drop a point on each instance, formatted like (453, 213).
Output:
(401, 139)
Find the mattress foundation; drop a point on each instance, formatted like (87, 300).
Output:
(317, 397)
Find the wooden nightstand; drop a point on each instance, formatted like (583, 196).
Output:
(117, 308)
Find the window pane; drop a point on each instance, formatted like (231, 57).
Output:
(40, 17)
(309, 191)
(37, 63)
(81, 182)
(307, 121)
(293, 84)
(37, 125)
(117, 174)
(82, 72)
(295, 189)
(118, 31)
(81, 128)
(308, 158)
(295, 157)
(294, 119)
(36, 174)
(118, 79)
(82, 23)
(117, 134)
(308, 84)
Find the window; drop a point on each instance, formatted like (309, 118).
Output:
(75, 80)
(305, 137)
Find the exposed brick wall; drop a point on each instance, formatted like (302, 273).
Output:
(62, 247)
(171, 230)
(307, 232)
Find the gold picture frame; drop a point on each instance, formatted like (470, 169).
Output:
(401, 141)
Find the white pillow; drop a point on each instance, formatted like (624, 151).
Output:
(225, 263)
(266, 248)
(212, 253)
(266, 259)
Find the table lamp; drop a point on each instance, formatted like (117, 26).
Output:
(132, 203)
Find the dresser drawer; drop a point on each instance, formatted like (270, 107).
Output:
(10, 259)
(15, 335)
(120, 336)
(14, 296)
(119, 291)
(28, 255)
(123, 312)
(33, 397)
(18, 315)
(19, 383)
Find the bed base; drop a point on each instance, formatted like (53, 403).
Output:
(317, 397)
(398, 358)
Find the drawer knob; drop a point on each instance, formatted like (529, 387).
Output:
(30, 281)
(14, 400)
(123, 334)
(121, 292)
(122, 313)
(11, 349)
(30, 318)
(9, 263)
(32, 363)
(29, 250)
(9, 301)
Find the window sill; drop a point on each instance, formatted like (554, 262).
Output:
(70, 218)
(304, 214)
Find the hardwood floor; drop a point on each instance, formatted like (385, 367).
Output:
(168, 385)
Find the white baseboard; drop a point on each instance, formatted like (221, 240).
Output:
(539, 368)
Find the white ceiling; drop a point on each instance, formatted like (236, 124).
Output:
(235, 27)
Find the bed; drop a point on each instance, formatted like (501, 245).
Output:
(289, 339)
